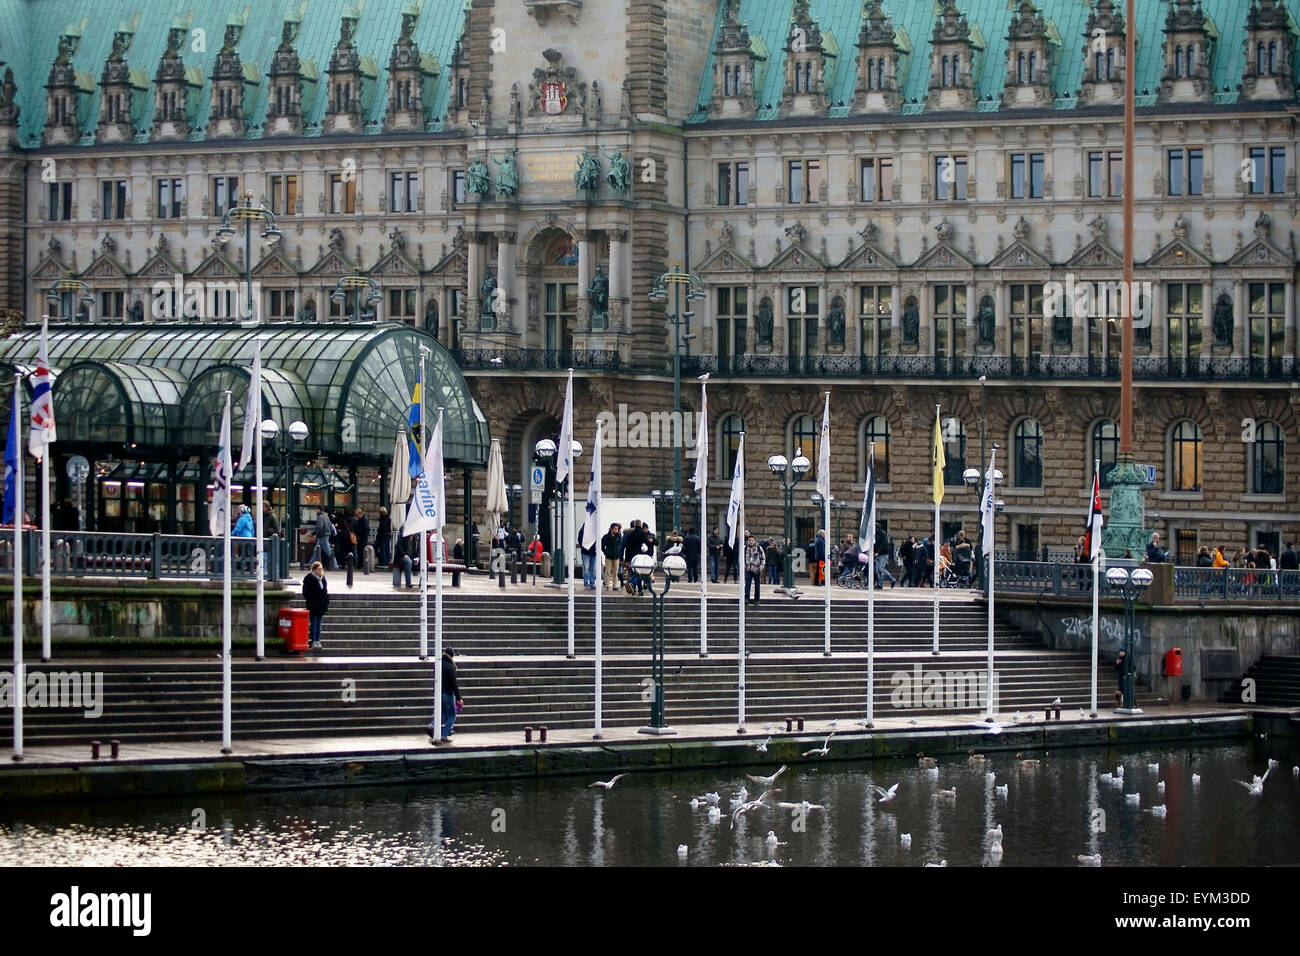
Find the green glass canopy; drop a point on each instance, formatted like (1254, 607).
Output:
(163, 388)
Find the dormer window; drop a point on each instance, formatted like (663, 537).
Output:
(803, 77)
(462, 93)
(1266, 58)
(1104, 65)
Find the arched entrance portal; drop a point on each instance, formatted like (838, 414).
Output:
(553, 284)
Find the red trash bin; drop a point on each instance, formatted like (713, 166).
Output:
(294, 626)
(1174, 662)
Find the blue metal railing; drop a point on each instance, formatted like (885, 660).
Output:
(152, 556)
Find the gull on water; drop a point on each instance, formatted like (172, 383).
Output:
(712, 798)
(1133, 799)
(949, 794)
(768, 781)
(940, 863)
(932, 773)
(761, 746)
(905, 840)
(1001, 790)
(1295, 771)
(1093, 860)
(1105, 778)
(771, 842)
(608, 784)
(682, 851)
(696, 803)
(1257, 787)
(995, 832)
(714, 814)
(823, 750)
(995, 850)
(1159, 810)
(1160, 786)
(927, 762)
(805, 806)
(1153, 767)
(885, 795)
(990, 776)
(1272, 764)
(1196, 780)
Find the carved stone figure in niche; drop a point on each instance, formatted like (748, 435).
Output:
(136, 311)
(486, 290)
(835, 323)
(911, 322)
(620, 172)
(431, 316)
(598, 294)
(987, 320)
(945, 229)
(508, 175)
(765, 322)
(1223, 321)
(308, 311)
(476, 178)
(587, 176)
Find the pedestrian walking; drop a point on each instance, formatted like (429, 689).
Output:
(611, 549)
(384, 540)
(691, 552)
(588, 564)
(244, 527)
(316, 595)
(452, 702)
(325, 533)
(1120, 666)
(772, 555)
(715, 554)
(883, 552)
(755, 561)
(361, 528)
(729, 563)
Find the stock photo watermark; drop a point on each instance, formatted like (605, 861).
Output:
(942, 688)
(55, 690)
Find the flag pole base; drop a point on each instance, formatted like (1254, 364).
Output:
(1129, 710)
(741, 729)
(703, 655)
(18, 758)
(657, 731)
(934, 654)
(826, 653)
(597, 736)
(227, 751)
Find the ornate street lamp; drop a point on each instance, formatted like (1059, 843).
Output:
(544, 451)
(356, 284)
(298, 431)
(61, 292)
(248, 214)
(789, 473)
(694, 287)
(674, 566)
(1129, 585)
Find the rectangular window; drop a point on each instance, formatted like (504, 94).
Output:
(949, 320)
(60, 202)
(112, 199)
(1185, 172)
(802, 303)
(284, 194)
(876, 179)
(732, 322)
(875, 319)
(457, 186)
(171, 192)
(225, 193)
(1267, 308)
(343, 194)
(949, 178)
(1026, 175)
(1183, 311)
(1026, 320)
(1267, 169)
(112, 305)
(733, 184)
(280, 304)
(401, 305)
(403, 190)
(803, 180)
(1106, 173)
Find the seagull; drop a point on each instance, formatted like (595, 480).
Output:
(914, 722)
(675, 549)
(928, 762)
(1105, 778)
(712, 798)
(996, 832)
(1272, 764)
(1002, 790)
(993, 728)
(864, 724)
(805, 806)
(695, 803)
(1055, 703)
(933, 773)
(733, 803)
(1153, 767)
(1119, 771)
(744, 808)
(1295, 771)
(1196, 779)
(949, 794)
(767, 729)
(1093, 860)
(833, 724)
(905, 840)
(995, 850)
(940, 863)
(497, 360)
(771, 842)
(743, 794)
(1133, 799)
(681, 851)
(823, 750)
(885, 796)
(1257, 788)
(768, 781)
(1159, 810)
(714, 814)
(761, 747)
(608, 784)
(1160, 786)
(1083, 714)
(990, 776)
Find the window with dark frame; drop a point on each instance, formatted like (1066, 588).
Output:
(950, 166)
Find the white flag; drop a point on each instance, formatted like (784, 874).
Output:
(252, 413)
(867, 529)
(219, 506)
(564, 453)
(824, 454)
(987, 508)
(590, 532)
(737, 494)
(700, 478)
(42, 431)
(427, 510)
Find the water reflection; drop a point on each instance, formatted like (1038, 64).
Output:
(1050, 813)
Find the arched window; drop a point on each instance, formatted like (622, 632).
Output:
(1033, 66)
(1267, 460)
(1105, 446)
(953, 433)
(1027, 449)
(804, 434)
(1185, 457)
(1100, 65)
(875, 429)
(729, 430)
(1178, 60)
(1272, 56)
(943, 71)
(1020, 67)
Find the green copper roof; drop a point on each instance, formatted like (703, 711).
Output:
(30, 30)
(768, 22)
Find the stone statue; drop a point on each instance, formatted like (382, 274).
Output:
(587, 176)
(620, 172)
(336, 239)
(508, 175)
(347, 30)
(231, 39)
(308, 311)
(487, 288)
(835, 323)
(287, 35)
(1223, 321)
(765, 323)
(476, 178)
(431, 317)
(175, 38)
(911, 323)
(408, 23)
(67, 48)
(987, 320)
(945, 229)
(598, 294)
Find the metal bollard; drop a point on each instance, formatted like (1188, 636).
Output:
(800, 725)
(116, 746)
(541, 734)
(528, 735)
(349, 563)
(94, 750)
(514, 568)
(1047, 714)
(789, 724)
(1058, 711)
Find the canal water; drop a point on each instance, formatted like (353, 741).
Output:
(1049, 813)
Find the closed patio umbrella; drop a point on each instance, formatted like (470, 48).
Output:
(497, 502)
(400, 490)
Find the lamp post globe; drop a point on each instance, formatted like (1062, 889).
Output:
(801, 465)
(545, 448)
(674, 567)
(778, 464)
(1141, 577)
(298, 431)
(270, 429)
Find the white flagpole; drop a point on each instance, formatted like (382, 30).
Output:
(826, 573)
(261, 532)
(741, 544)
(424, 550)
(934, 549)
(704, 529)
(46, 649)
(571, 544)
(871, 595)
(437, 580)
(1096, 585)
(20, 499)
(226, 676)
(600, 591)
(824, 484)
(992, 552)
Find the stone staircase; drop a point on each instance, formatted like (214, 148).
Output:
(510, 655)
(1277, 682)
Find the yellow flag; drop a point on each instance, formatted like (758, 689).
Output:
(940, 462)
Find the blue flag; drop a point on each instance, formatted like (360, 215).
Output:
(415, 464)
(11, 467)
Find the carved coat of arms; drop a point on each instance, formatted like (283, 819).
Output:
(553, 99)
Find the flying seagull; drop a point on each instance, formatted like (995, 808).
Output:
(608, 784)
(767, 781)
(761, 747)
(823, 750)
(885, 795)
(744, 808)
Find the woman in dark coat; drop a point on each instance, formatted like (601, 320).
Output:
(316, 595)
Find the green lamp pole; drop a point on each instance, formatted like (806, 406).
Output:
(674, 566)
(789, 473)
(356, 284)
(1129, 585)
(694, 287)
(248, 214)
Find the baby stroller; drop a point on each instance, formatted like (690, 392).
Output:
(955, 574)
